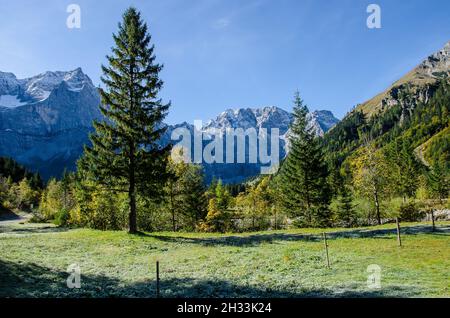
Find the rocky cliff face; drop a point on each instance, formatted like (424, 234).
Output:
(45, 119)
(419, 85)
(322, 121)
(436, 65)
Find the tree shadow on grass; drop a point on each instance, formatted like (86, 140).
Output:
(216, 288)
(256, 239)
(19, 280)
(8, 215)
(32, 280)
(27, 229)
(235, 240)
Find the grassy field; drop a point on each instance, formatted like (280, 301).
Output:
(34, 259)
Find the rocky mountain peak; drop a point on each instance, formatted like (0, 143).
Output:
(421, 81)
(40, 86)
(269, 117)
(45, 119)
(437, 65)
(18, 92)
(8, 83)
(264, 117)
(322, 121)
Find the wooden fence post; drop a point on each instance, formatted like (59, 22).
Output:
(157, 279)
(432, 220)
(399, 239)
(326, 248)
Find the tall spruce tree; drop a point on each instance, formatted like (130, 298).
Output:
(125, 155)
(302, 180)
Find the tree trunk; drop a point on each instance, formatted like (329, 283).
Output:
(432, 220)
(132, 167)
(174, 225)
(132, 195)
(132, 216)
(172, 208)
(399, 239)
(377, 206)
(276, 219)
(308, 204)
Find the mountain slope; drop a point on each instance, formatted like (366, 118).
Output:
(415, 111)
(435, 67)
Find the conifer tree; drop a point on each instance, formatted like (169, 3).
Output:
(438, 181)
(345, 212)
(303, 175)
(194, 203)
(124, 155)
(404, 169)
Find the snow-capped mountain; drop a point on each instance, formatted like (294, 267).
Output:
(265, 117)
(322, 121)
(269, 117)
(39, 87)
(247, 118)
(45, 119)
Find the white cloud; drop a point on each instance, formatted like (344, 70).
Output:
(221, 23)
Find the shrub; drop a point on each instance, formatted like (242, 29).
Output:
(410, 212)
(37, 217)
(62, 217)
(217, 220)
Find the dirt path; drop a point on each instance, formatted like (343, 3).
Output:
(10, 217)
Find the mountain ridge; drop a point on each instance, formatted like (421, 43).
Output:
(48, 117)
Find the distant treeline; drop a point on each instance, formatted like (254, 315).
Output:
(11, 169)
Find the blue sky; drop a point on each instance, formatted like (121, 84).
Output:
(221, 54)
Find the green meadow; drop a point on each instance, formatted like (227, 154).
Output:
(291, 263)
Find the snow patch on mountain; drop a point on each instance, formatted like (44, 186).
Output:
(10, 101)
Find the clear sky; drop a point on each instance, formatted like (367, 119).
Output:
(221, 54)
